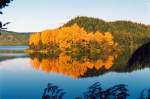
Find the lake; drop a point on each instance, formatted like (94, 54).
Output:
(33, 77)
(13, 47)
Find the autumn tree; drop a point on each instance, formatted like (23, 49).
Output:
(74, 39)
(34, 39)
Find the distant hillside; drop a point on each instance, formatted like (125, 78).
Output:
(126, 33)
(13, 38)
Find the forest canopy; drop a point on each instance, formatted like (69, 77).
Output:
(126, 33)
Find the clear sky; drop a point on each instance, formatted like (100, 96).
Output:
(37, 15)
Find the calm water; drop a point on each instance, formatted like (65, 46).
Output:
(26, 78)
(20, 48)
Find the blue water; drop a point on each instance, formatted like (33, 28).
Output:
(19, 80)
(20, 48)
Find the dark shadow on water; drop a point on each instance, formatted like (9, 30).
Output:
(116, 92)
(145, 94)
(4, 57)
(141, 56)
(95, 91)
(53, 92)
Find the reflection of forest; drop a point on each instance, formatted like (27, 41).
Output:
(95, 91)
(71, 67)
(11, 56)
(86, 65)
(141, 56)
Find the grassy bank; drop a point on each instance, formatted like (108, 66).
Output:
(13, 38)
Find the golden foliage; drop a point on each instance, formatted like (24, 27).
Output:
(64, 64)
(66, 36)
(64, 39)
(34, 39)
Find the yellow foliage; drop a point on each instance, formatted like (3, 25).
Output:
(108, 38)
(34, 39)
(49, 36)
(98, 36)
(109, 62)
(66, 36)
(66, 65)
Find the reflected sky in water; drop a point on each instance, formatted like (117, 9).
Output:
(18, 48)
(19, 80)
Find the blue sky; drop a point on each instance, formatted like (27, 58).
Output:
(37, 15)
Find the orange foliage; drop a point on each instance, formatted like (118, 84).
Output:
(66, 65)
(66, 36)
(34, 39)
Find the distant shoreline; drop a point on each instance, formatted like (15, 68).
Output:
(11, 51)
(12, 48)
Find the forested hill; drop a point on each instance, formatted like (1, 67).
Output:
(125, 32)
(94, 24)
(13, 38)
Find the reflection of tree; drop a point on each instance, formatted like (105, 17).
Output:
(68, 66)
(116, 92)
(85, 66)
(141, 56)
(3, 58)
(89, 67)
(53, 92)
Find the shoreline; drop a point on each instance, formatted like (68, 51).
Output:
(11, 51)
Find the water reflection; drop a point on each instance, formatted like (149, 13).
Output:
(141, 56)
(70, 66)
(78, 66)
(8, 56)
(136, 81)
